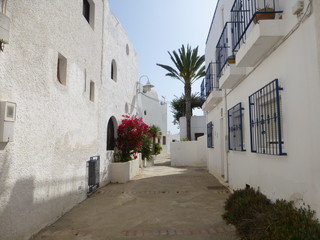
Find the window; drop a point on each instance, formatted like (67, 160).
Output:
(164, 140)
(235, 128)
(114, 70)
(210, 135)
(62, 69)
(91, 97)
(110, 135)
(127, 50)
(266, 121)
(88, 11)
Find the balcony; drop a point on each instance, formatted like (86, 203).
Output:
(256, 28)
(227, 74)
(210, 93)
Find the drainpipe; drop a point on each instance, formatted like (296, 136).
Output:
(4, 6)
(101, 67)
(226, 136)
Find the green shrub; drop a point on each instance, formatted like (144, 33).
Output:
(285, 222)
(244, 204)
(256, 218)
(157, 148)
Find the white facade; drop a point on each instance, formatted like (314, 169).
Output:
(59, 126)
(153, 111)
(287, 49)
(198, 127)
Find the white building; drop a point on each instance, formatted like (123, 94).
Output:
(153, 111)
(263, 109)
(198, 127)
(68, 76)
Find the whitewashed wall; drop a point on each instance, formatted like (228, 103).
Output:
(118, 96)
(154, 112)
(189, 153)
(198, 125)
(296, 64)
(43, 172)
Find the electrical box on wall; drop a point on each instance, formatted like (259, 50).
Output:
(7, 119)
(4, 28)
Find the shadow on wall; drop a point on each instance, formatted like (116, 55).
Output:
(24, 215)
(105, 178)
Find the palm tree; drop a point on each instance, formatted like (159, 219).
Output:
(188, 69)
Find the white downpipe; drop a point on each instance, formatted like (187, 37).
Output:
(226, 136)
(4, 6)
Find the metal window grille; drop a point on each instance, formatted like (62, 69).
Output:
(210, 135)
(93, 173)
(202, 95)
(266, 121)
(235, 128)
(244, 12)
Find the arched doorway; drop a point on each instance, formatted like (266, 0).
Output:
(111, 134)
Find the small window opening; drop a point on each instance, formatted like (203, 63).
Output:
(62, 69)
(92, 91)
(88, 11)
(164, 140)
(127, 49)
(114, 70)
(145, 112)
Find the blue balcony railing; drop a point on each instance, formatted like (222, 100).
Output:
(209, 80)
(202, 90)
(223, 50)
(244, 12)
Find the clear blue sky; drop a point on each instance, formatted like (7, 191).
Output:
(157, 26)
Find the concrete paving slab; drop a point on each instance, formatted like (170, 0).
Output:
(163, 202)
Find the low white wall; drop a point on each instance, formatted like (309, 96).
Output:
(189, 153)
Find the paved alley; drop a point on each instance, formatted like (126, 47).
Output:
(161, 203)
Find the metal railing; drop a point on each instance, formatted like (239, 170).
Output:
(244, 12)
(266, 120)
(223, 50)
(209, 80)
(202, 92)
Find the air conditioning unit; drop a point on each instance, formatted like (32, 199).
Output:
(4, 28)
(298, 7)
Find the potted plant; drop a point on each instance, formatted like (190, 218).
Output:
(146, 149)
(264, 13)
(131, 132)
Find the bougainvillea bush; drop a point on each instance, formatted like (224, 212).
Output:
(131, 132)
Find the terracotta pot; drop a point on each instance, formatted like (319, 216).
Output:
(264, 16)
(231, 60)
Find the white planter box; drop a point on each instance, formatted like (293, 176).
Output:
(123, 172)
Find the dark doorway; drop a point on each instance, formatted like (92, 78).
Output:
(110, 135)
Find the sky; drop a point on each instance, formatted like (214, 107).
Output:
(157, 26)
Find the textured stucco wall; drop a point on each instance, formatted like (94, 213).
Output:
(296, 64)
(189, 153)
(43, 172)
(120, 92)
